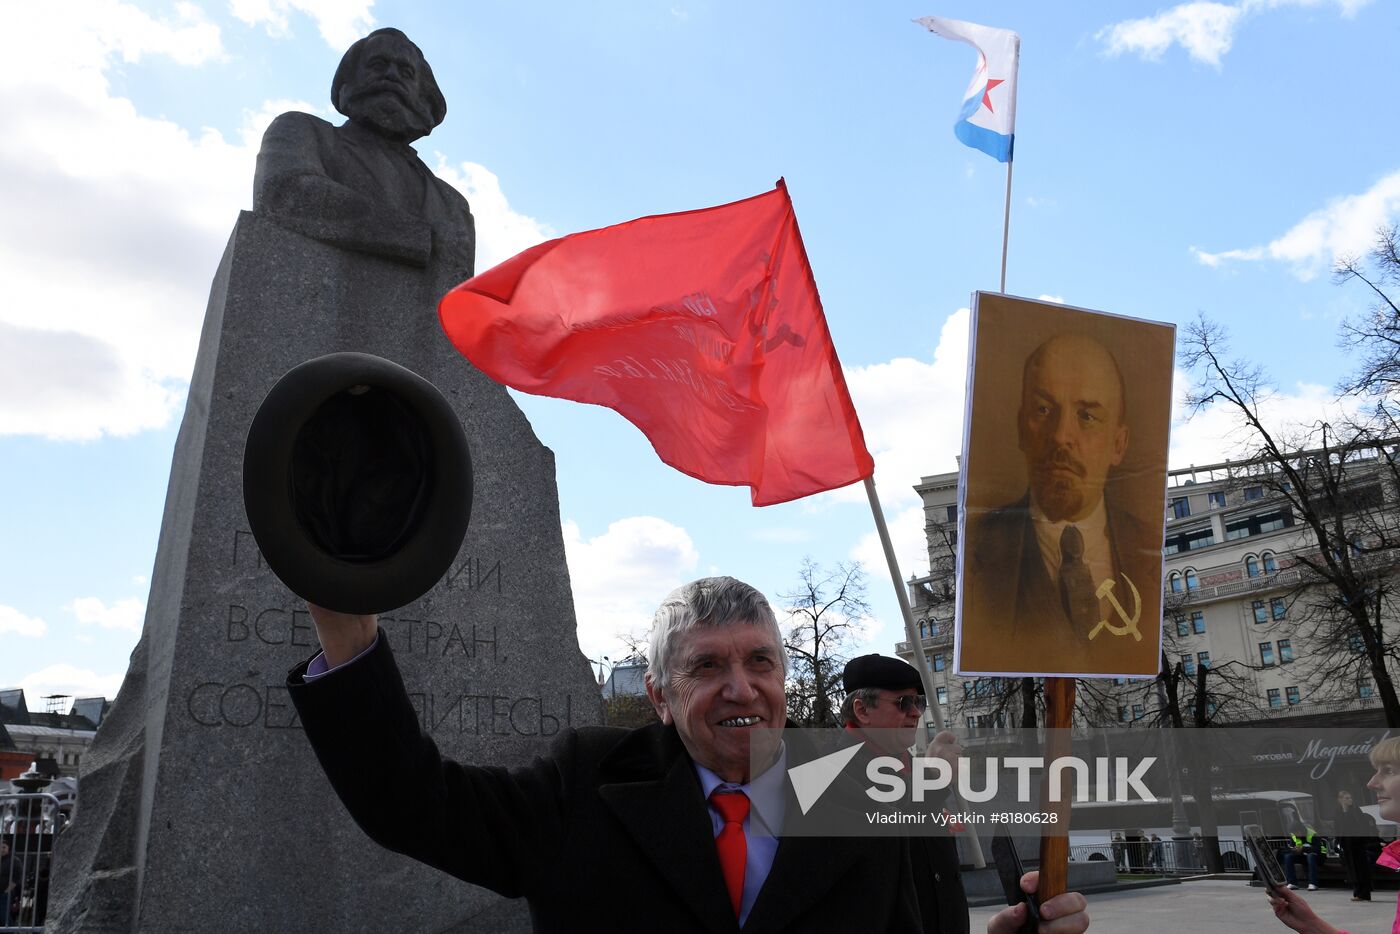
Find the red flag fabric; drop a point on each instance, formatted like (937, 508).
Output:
(704, 329)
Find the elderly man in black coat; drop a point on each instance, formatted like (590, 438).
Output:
(645, 819)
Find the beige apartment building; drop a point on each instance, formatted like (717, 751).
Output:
(1231, 593)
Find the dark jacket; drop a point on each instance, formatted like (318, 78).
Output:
(1012, 615)
(608, 830)
(934, 865)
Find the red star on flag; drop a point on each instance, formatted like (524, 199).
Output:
(986, 92)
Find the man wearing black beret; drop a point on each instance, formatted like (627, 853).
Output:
(884, 701)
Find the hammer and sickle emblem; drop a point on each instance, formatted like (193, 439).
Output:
(1130, 623)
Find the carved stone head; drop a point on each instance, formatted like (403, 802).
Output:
(384, 82)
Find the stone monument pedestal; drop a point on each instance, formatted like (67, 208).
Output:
(202, 807)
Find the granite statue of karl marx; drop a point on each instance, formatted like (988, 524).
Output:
(360, 186)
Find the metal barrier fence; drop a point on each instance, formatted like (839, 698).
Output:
(29, 825)
(1161, 857)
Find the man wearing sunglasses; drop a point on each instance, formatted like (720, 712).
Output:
(884, 701)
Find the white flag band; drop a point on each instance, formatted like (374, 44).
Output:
(988, 118)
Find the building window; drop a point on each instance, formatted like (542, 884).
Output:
(1186, 541)
(1182, 627)
(1217, 499)
(1251, 566)
(1363, 688)
(972, 721)
(953, 513)
(1138, 712)
(1258, 525)
(1266, 653)
(1274, 699)
(1192, 582)
(1270, 565)
(1181, 507)
(1123, 713)
(1278, 607)
(942, 695)
(940, 662)
(1293, 696)
(1261, 615)
(1203, 658)
(1355, 643)
(1285, 651)
(1188, 664)
(1175, 581)
(1198, 622)
(1253, 492)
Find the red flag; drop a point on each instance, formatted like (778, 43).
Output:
(704, 329)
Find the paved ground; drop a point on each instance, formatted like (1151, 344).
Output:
(1219, 907)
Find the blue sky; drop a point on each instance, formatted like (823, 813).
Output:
(1206, 157)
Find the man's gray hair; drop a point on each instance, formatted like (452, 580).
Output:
(870, 697)
(710, 601)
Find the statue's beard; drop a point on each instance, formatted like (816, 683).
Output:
(390, 111)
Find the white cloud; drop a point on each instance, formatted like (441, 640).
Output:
(1218, 434)
(910, 545)
(103, 393)
(108, 249)
(1205, 29)
(500, 232)
(911, 413)
(14, 622)
(69, 679)
(129, 229)
(1346, 226)
(780, 535)
(340, 22)
(620, 576)
(125, 614)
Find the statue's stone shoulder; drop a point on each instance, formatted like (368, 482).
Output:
(294, 143)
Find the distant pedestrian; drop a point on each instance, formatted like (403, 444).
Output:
(9, 883)
(1355, 831)
(1155, 854)
(1120, 853)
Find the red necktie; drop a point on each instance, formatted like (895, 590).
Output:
(731, 844)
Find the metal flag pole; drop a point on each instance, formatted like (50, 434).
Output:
(920, 660)
(1006, 225)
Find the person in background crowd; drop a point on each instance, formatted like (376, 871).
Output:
(1290, 907)
(1355, 830)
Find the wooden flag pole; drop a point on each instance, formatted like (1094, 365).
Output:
(1054, 847)
(920, 661)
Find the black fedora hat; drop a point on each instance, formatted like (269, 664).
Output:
(357, 481)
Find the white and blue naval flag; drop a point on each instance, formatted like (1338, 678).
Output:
(988, 118)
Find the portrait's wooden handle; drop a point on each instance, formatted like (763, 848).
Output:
(1054, 850)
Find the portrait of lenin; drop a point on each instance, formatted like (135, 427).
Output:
(1063, 502)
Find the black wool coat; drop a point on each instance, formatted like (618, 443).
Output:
(609, 817)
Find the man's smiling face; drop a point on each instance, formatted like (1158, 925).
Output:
(725, 693)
